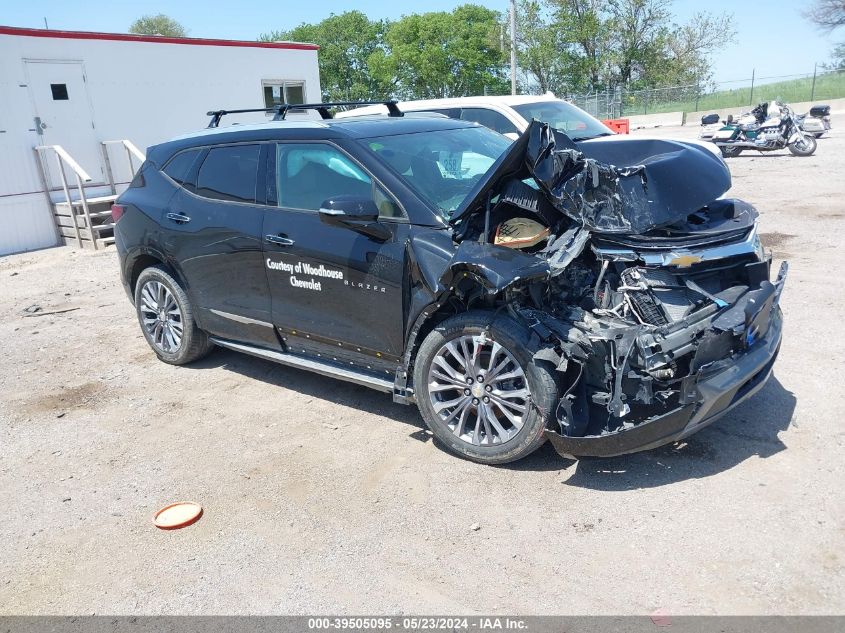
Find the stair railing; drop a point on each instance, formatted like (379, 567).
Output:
(62, 159)
(131, 151)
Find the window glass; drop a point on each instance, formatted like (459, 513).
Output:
(59, 92)
(442, 166)
(279, 92)
(307, 174)
(294, 93)
(229, 173)
(179, 167)
(565, 117)
(489, 118)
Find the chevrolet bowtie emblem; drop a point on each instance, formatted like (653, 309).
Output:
(685, 261)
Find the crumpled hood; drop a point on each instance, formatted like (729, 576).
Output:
(628, 186)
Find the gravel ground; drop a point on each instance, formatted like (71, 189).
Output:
(321, 496)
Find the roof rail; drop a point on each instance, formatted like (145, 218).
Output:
(281, 110)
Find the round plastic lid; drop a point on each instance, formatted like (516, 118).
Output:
(177, 515)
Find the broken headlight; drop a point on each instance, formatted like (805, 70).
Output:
(759, 249)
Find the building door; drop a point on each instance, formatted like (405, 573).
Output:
(63, 109)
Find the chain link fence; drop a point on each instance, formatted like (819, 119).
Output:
(619, 102)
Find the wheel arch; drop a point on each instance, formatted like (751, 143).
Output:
(470, 294)
(146, 258)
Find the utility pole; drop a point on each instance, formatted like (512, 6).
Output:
(813, 89)
(751, 98)
(513, 47)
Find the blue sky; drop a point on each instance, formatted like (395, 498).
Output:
(773, 38)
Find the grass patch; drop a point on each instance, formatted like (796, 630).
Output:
(828, 86)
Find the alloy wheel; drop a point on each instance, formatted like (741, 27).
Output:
(479, 390)
(161, 316)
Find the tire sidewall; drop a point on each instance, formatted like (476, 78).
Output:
(542, 385)
(160, 275)
(800, 152)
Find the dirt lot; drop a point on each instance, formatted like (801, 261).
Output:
(322, 496)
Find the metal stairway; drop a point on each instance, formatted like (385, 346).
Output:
(81, 217)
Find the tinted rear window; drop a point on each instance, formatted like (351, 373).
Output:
(489, 118)
(179, 167)
(229, 173)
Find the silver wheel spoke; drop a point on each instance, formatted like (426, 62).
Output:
(446, 404)
(502, 434)
(478, 390)
(161, 316)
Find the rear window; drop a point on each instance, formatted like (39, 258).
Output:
(229, 173)
(179, 167)
(489, 118)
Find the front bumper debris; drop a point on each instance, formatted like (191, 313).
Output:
(711, 392)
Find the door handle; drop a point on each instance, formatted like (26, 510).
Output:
(279, 240)
(181, 218)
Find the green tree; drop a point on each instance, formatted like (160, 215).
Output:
(689, 47)
(588, 45)
(347, 42)
(540, 47)
(157, 25)
(586, 26)
(837, 61)
(439, 54)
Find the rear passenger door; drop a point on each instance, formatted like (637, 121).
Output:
(213, 232)
(335, 292)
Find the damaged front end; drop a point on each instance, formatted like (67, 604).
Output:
(649, 293)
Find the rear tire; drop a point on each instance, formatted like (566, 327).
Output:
(500, 418)
(805, 148)
(728, 152)
(167, 318)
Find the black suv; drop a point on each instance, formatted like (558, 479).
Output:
(602, 294)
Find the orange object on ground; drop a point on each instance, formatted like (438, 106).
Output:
(177, 515)
(620, 126)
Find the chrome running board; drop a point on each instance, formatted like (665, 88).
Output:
(326, 369)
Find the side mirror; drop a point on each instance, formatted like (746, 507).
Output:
(346, 209)
(356, 213)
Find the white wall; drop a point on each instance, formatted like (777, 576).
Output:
(147, 92)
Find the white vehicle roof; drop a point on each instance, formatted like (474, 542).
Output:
(456, 102)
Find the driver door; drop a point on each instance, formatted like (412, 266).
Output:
(334, 291)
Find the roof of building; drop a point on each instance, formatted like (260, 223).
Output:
(157, 39)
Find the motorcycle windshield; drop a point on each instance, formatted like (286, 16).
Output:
(626, 185)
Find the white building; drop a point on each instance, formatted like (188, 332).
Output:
(79, 89)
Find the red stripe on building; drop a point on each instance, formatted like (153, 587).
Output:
(127, 37)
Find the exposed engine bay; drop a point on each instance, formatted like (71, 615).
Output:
(640, 281)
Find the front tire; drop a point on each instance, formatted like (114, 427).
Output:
(167, 318)
(804, 147)
(480, 390)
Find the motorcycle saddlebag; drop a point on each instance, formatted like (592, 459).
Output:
(820, 110)
(710, 119)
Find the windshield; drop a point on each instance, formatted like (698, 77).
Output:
(567, 118)
(442, 166)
